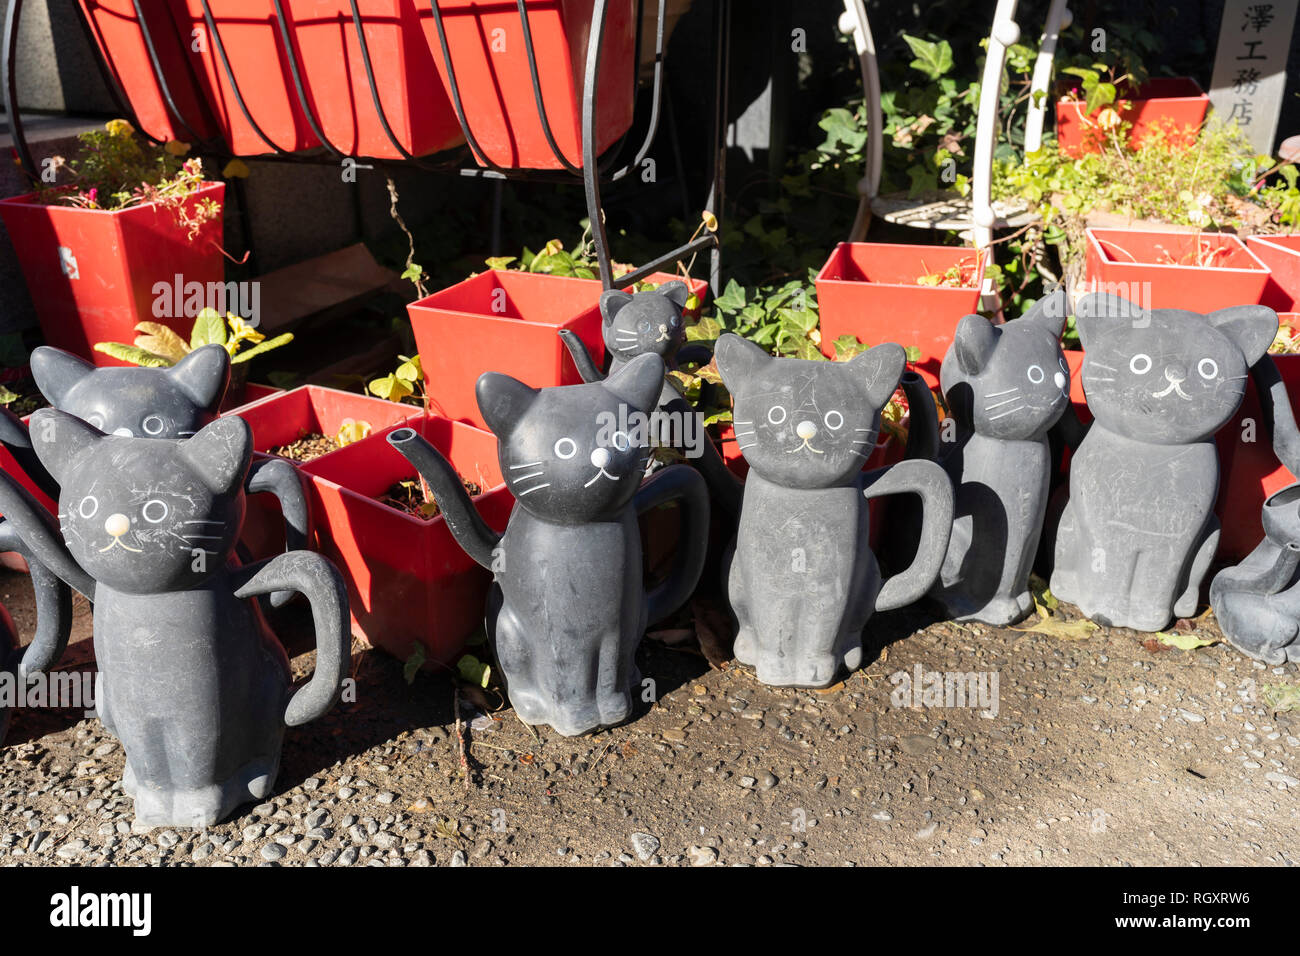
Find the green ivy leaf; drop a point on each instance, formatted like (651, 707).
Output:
(932, 59)
(414, 663)
(473, 670)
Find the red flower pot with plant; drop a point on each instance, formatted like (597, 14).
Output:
(93, 257)
(890, 292)
(1282, 256)
(409, 583)
(1199, 271)
(1173, 106)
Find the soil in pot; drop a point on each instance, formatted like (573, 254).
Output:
(307, 448)
(408, 495)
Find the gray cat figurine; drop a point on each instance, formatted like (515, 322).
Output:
(652, 322)
(190, 678)
(1005, 386)
(802, 579)
(568, 607)
(1138, 533)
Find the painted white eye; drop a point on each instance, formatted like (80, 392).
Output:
(621, 441)
(153, 425)
(89, 505)
(566, 448)
(1208, 368)
(1140, 364)
(776, 414)
(1035, 374)
(643, 326)
(834, 420)
(154, 510)
(96, 420)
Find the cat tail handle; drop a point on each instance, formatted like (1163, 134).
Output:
(1279, 419)
(931, 482)
(53, 620)
(314, 577)
(33, 532)
(18, 442)
(581, 357)
(687, 487)
(282, 480)
(727, 490)
(467, 526)
(922, 417)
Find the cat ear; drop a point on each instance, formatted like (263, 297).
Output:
(1099, 312)
(1251, 327)
(974, 342)
(503, 401)
(220, 453)
(675, 292)
(203, 375)
(612, 302)
(738, 359)
(60, 440)
(882, 366)
(56, 371)
(639, 382)
(1051, 311)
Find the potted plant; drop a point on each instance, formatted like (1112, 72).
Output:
(893, 292)
(409, 584)
(1281, 253)
(1200, 271)
(333, 74)
(487, 55)
(1090, 114)
(92, 252)
(119, 34)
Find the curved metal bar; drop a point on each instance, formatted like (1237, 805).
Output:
(590, 180)
(454, 88)
(560, 158)
(656, 95)
(865, 44)
(297, 80)
(1057, 17)
(1003, 34)
(8, 66)
(230, 76)
(161, 77)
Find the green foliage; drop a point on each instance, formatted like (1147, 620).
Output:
(158, 346)
(781, 318)
(406, 382)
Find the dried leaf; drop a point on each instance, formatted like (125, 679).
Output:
(1185, 642)
(1076, 630)
(713, 631)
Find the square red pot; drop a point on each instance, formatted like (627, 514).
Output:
(333, 74)
(502, 322)
(92, 272)
(1282, 256)
(490, 60)
(116, 30)
(408, 581)
(283, 418)
(1158, 270)
(869, 290)
(1174, 105)
(1251, 471)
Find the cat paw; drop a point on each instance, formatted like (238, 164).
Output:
(614, 709)
(1002, 611)
(809, 670)
(745, 648)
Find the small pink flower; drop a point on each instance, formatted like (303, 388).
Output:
(91, 194)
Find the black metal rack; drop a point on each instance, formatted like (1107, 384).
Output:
(593, 170)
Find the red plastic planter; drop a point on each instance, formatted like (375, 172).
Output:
(91, 272)
(284, 417)
(1158, 270)
(1251, 471)
(408, 581)
(117, 33)
(1174, 105)
(333, 72)
(488, 54)
(1282, 256)
(502, 322)
(869, 289)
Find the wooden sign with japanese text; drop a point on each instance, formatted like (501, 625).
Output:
(1250, 66)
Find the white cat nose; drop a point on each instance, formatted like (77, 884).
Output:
(600, 457)
(117, 525)
(1059, 379)
(124, 432)
(806, 430)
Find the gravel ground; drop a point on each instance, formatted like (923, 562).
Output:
(1101, 751)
